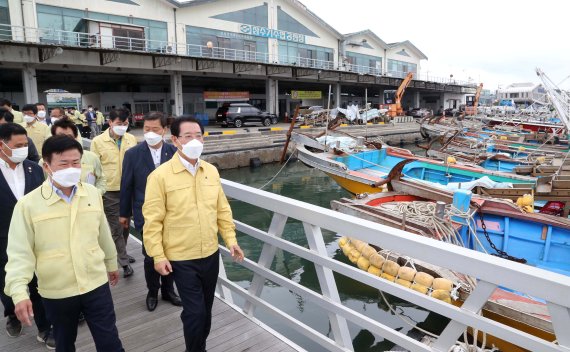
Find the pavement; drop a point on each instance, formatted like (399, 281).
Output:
(215, 129)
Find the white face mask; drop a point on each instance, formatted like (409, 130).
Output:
(18, 154)
(90, 109)
(42, 114)
(152, 138)
(120, 130)
(67, 177)
(54, 119)
(193, 149)
(29, 119)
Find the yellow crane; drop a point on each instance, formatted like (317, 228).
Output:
(471, 107)
(396, 108)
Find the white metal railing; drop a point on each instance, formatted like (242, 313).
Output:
(78, 39)
(491, 272)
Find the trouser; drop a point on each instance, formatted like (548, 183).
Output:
(196, 282)
(99, 129)
(111, 202)
(97, 307)
(155, 281)
(39, 313)
(93, 128)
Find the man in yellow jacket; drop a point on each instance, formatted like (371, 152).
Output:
(91, 169)
(110, 147)
(37, 131)
(184, 210)
(59, 231)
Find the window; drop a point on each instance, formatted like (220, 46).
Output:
(197, 39)
(5, 30)
(298, 54)
(364, 63)
(400, 68)
(59, 19)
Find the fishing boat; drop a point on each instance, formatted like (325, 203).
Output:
(360, 169)
(484, 224)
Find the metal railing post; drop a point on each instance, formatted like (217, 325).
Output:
(265, 259)
(328, 286)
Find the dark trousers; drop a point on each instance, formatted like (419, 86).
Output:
(37, 305)
(155, 281)
(111, 201)
(97, 307)
(196, 282)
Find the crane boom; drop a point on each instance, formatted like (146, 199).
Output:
(472, 110)
(559, 98)
(396, 108)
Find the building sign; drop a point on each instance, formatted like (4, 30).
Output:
(226, 96)
(271, 33)
(306, 94)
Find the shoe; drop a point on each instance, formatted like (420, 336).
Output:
(131, 259)
(13, 326)
(47, 338)
(151, 301)
(128, 271)
(172, 298)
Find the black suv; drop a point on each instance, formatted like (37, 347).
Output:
(238, 114)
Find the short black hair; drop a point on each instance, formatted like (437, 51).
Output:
(175, 128)
(121, 114)
(30, 107)
(65, 124)
(40, 104)
(6, 102)
(10, 129)
(5, 114)
(154, 116)
(57, 145)
(60, 109)
(89, 106)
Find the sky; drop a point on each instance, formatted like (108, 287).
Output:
(492, 42)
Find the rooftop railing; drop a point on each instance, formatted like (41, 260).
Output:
(490, 271)
(64, 38)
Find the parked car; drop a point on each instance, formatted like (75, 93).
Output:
(239, 114)
(419, 112)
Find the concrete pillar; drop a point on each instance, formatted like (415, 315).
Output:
(272, 96)
(176, 94)
(381, 96)
(417, 100)
(30, 85)
(337, 96)
(272, 44)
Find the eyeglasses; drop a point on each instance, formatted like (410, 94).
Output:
(191, 136)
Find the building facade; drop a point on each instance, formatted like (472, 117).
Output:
(267, 49)
(523, 93)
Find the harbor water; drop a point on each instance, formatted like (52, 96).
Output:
(299, 182)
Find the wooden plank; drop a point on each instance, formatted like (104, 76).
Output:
(161, 330)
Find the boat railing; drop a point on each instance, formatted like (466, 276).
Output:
(491, 272)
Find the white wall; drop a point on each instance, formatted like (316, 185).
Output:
(377, 50)
(413, 58)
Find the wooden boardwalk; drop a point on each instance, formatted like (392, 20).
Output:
(161, 330)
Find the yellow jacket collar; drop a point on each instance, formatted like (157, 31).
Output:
(47, 191)
(177, 165)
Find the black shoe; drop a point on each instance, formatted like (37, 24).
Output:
(172, 298)
(13, 326)
(131, 259)
(128, 271)
(47, 338)
(151, 301)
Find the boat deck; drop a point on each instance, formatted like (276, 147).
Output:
(161, 330)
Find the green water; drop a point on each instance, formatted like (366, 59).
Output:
(312, 186)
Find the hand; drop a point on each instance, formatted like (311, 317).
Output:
(163, 268)
(113, 277)
(125, 222)
(25, 312)
(237, 253)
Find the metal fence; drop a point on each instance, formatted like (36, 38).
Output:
(63, 38)
(490, 271)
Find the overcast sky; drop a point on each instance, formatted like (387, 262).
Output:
(495, 42)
